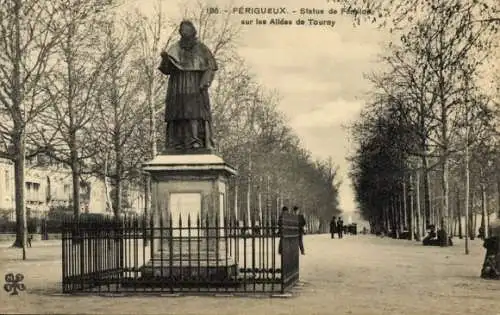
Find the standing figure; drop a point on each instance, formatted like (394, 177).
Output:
(491, 264)
(302, 224)
(333, 223)
(280, 225)
(340, 227)
(190, 66)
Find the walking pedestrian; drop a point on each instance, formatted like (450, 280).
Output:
(340, 227)
(29, 239)
(302, 224)
(333, 223)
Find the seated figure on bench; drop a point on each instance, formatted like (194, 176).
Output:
(431, 238)
(435, 238)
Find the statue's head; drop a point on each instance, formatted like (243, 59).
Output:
(187, 29)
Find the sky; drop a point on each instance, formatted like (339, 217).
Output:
(318, 71)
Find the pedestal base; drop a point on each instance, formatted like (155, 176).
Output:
(189, 197)
(196, 274)
(200, 264)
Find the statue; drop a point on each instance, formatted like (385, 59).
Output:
(190, 66)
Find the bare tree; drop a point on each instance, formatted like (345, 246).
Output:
(120, 113)
(73, 88)
(444, 43)
(151, 32)
(26, 44)
(396, 15)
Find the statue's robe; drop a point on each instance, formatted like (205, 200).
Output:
(188, 70)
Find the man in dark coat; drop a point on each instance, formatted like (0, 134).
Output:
(333, 224)
(340, 227)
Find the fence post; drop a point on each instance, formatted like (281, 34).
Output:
(63, 254)
(281, 251)
(81, 252)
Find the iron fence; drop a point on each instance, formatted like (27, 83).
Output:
(134, 254)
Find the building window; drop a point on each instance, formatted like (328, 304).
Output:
(28, 191)
(36, 191)
(7, 181)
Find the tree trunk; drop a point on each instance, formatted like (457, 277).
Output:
(475, 223)
(18, 137)
(472, 235)
(466, 199)
(432, 206)
(76, 190)
(427, 192)
(445, 210)
(386, 219)
(484, 212)
(459, 215)
(399, 211)
(392, 217)
(470, 221)
(236, 205)
(411, 217)
(75, 175)
(419, 209)
(453, 223)
(118, 197)
(249, 193)
(488, 224)
(455, 226)
(404, 223)
(152, 120)
(498, 197)
(119, 175)
(395, 213)
(147, 206)
(19, 184)
(109, 204)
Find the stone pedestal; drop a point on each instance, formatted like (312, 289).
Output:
(189, 191)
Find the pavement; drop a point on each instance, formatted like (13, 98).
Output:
(355, 275)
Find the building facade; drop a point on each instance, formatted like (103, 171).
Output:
(50, 185)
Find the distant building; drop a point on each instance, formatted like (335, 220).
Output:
(50, 185)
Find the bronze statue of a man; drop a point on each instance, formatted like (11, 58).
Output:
(190, 66)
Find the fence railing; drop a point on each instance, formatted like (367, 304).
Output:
(132, 254)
